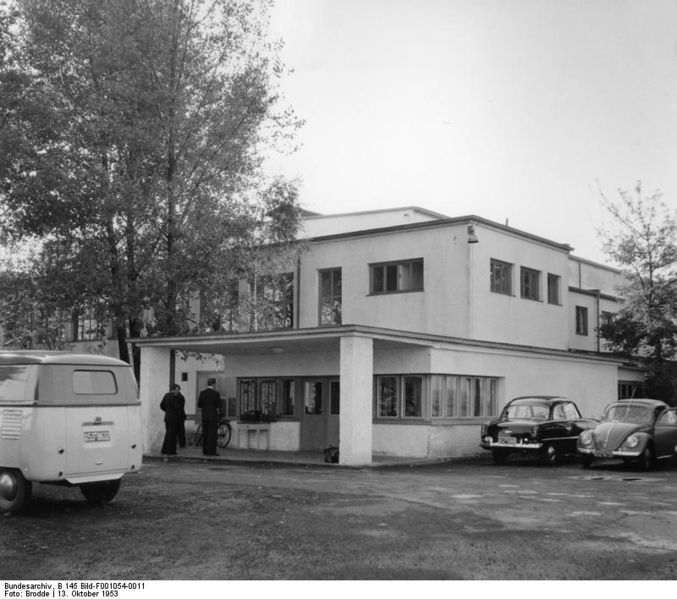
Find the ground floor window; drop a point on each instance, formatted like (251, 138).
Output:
(266, 398)
(630, 389)
(436, 396)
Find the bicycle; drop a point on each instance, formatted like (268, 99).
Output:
(223, 434)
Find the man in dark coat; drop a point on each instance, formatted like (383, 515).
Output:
(209, 401)
(170, 405)
(181, 424)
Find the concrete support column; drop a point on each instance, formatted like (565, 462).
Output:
(355, 423)
(155, 382)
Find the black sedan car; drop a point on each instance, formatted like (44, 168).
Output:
(541, 425)
(632, 430)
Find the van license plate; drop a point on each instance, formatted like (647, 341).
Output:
(96, 436)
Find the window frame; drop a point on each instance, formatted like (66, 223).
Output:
(390, 277)
(554, 289)
(530, 283)
(443, 397)
(335, 299)
(582, 324)
(500, 276)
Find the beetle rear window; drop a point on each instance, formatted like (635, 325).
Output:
(94, 382)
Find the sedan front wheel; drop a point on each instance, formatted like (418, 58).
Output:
(550, 455)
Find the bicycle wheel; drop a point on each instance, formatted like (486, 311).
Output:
(224, 434)
(197, 435)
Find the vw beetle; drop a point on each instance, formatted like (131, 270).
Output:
(632, 430)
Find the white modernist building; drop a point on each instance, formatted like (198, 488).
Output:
(401, 331)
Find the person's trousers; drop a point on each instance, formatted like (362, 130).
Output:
(169, 443)
(209, 432)
(181, 433)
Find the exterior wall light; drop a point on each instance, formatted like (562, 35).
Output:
(472, 238)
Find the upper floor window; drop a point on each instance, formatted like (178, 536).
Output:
(501, 277)
(88, 325)
(393, 277)
(530, 283)
(275, 301)
(330, 297)
(553, 289)
(581, 320)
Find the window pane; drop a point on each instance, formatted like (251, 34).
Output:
(492, 403)
(553, 289)
(13, 380)
(387, 396)
(268, 397)
(378, 282)
(464, 398)
(94, 382)
(391, 277)
(417, 275)
(247, 396)
(335, 397)
(436, 396)
(413, 397)
(451, 394)
(287, 397)
(313, 404)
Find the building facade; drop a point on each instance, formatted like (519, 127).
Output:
(399, 332)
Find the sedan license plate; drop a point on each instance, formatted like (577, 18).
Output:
(97, 436)
(507, 441)
(605, 455)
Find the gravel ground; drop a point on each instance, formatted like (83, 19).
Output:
(473, 520)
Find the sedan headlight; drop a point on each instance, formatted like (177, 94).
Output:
(586, 438)
(488, 439)
(632, 441)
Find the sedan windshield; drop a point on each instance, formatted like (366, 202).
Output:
(528, 411)
(628, 413)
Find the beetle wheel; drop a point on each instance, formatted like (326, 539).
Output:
(100, 492)
(15, 491)
(646, 460)
(550, 455)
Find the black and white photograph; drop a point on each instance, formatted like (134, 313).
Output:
(308, 291)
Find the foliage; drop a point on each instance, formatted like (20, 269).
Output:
(643, 242)
(131, 140)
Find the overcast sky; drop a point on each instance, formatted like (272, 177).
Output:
(508, 109)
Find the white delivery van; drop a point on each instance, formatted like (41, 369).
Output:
(68, 419)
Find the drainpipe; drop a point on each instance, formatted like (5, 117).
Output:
(597, 293)
(472, 240)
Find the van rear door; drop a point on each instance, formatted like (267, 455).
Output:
(97, 441)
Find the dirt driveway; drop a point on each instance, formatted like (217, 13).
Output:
(470, 520)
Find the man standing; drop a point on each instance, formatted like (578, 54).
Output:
(173, 412)
(209, 401)
(181, 424)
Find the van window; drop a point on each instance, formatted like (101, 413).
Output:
(94, 382)
(13, 382)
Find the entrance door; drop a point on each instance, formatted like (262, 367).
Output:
(320, 419)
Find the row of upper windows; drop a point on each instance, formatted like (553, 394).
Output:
(501, 281)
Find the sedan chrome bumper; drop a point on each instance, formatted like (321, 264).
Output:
(504, 445)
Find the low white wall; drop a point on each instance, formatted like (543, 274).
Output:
(285, 436)
(428, 441)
